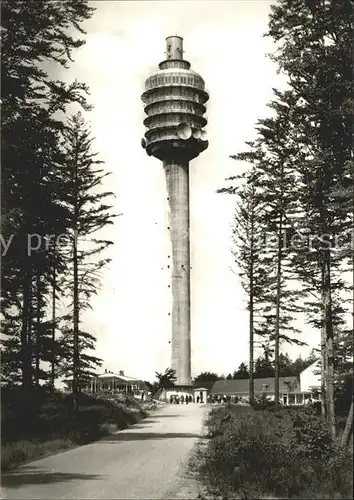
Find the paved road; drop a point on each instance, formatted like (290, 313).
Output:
(146, 461)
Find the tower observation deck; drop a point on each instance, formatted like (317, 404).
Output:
(174, 102)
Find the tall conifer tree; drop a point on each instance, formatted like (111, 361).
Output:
(89, 213)
(314, 40)
(33, 104)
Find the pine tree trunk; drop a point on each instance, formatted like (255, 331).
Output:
(327, 305)
(278, 293)
(75, 326)
(251, 317)
(352, 242)
(348, 430)
(30, 329)
(26, 354)
(347, 437)
(76, 359)
(53, 323)
(38, 321)
(277, 316)
(251, 379)
(323, 369)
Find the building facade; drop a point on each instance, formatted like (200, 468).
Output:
(293, 390)
(113, 383)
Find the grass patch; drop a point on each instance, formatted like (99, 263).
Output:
(43, 424)
(13, 454)
(264, 454)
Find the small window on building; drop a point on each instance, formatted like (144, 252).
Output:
(173, 79)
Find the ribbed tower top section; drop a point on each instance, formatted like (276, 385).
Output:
(174, 100)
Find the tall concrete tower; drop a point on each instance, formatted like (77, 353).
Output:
(174, 100)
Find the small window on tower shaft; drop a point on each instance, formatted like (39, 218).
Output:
(169, 47)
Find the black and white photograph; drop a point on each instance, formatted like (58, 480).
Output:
(177, 249)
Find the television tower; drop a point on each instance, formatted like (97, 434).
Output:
(174, 102)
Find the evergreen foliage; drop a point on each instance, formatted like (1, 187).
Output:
(167, 379)
(50, 192)
(303, 159)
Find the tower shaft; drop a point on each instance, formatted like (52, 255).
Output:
(177, 180)
(174, 104)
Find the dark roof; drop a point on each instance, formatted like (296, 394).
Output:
(207, 384)
(286, 384)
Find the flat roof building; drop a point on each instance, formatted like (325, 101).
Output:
(110, 382)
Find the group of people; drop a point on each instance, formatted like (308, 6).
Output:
(222, 398)
(187, 398)
(181, 399)
(217, 398)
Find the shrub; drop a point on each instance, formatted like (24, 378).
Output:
(29, 430)
(262, 403)
(311, 437)
(219, 418)
(339, 472)
(288, 454)
(13, 454)
(244, 450)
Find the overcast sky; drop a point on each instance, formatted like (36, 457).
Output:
(125, 42)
